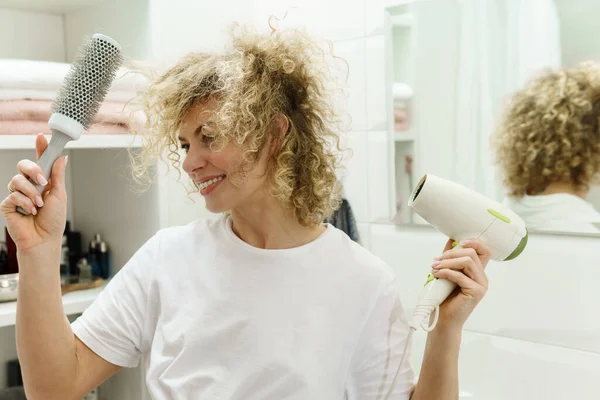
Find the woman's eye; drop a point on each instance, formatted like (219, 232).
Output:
(185, 147)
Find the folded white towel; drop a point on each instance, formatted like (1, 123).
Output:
(48, 75)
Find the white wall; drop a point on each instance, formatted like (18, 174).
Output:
(179, 26)
(126, 21)
(579, 30)
(31, 36)
(436, 65)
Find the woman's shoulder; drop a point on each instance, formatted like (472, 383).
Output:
(354, 256)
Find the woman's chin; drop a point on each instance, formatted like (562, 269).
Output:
(216, 207)
(213, 209)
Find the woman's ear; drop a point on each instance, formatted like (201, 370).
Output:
(280, 127)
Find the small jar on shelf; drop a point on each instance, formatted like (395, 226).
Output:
(402, 101)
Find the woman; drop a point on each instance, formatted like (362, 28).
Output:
(266, 302)
(548, 148)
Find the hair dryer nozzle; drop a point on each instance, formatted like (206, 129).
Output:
(519, 249)
(417, 190)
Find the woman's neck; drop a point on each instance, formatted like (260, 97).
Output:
(560, 187)
(270, 226)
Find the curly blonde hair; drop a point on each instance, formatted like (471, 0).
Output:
(262, 76)
(550, 131)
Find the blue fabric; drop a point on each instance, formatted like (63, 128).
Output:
(343, 219)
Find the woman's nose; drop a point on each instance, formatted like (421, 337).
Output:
(193, 160)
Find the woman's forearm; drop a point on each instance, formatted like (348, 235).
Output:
(438, 379)
(45, 341)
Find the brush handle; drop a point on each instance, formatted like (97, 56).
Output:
(54, 150)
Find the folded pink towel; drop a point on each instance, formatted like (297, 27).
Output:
(35, 127)
(40, 110)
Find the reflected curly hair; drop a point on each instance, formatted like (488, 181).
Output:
(550, 131)
(259, 78)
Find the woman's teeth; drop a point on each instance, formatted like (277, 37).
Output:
(206, 184)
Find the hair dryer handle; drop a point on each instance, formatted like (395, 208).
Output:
(435, 292)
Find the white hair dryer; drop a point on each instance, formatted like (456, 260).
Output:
(461, 213)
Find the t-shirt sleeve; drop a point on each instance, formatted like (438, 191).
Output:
(379, 350)
(113, 325)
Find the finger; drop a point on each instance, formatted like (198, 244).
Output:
(466, 265)
(58, 174)
(480, 249)
(483, 250)
(459, 252)
(18, 199)
(467, 286)
(41, 144)
(20, 183)
(31, 170)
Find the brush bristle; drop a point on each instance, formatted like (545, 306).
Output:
(88, 81)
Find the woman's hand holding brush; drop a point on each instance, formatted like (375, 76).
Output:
(46, 221)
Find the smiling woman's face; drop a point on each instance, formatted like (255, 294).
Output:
(217, 173)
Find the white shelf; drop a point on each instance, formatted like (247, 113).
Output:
(404, 136)
(73, 303)
(86, 141)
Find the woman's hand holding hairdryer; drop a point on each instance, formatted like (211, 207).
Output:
(463, 265)
(48, 210)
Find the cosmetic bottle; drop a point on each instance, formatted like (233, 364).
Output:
(103, 259)
(93, 243)
(93, 395)
(84, 270)
(75, 250)
(14, 377)
(93, 256)
(12, 264)
(3, 258)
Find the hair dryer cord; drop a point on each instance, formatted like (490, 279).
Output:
(406, 344)
(435, 320)
(408, 338)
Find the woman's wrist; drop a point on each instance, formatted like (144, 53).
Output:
(449, 330)
(447, 324)
(45, 254)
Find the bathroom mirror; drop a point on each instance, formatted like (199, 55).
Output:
(451, 69)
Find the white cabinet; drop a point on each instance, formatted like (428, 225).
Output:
(102, 196)
(102, 199)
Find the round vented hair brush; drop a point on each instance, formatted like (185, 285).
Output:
(79, 99)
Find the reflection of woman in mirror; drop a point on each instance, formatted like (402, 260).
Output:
(548, 148)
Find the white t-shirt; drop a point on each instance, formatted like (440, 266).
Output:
(217, 318)
(559, 212)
